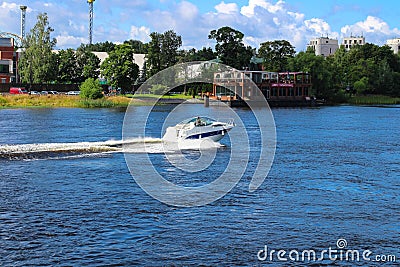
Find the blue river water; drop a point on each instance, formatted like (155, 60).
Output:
(335, 177)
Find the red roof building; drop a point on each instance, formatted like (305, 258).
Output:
(8, 60)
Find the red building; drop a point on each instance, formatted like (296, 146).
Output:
(279, 89)
(8, 61)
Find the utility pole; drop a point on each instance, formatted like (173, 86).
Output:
(90, 20)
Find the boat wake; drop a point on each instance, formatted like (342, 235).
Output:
(46, 151)
(68, 150)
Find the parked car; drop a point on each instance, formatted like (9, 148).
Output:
(44, 92)
(73, 93)
(53, 92)
(18, 91)
(34, 93)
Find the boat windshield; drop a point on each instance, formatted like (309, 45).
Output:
(199, 121)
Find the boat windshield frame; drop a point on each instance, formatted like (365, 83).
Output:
(204, 121)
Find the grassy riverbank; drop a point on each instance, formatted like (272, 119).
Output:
(373, 100)
(167, 96)
(49, 101)
(54, 101)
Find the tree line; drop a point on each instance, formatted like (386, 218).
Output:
(367, 69)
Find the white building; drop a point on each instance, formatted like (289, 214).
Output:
(323, 46)
(139, 59)
(394, 44)
(349, 42)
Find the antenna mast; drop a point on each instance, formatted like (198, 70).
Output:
(23, 12)
(90, 20)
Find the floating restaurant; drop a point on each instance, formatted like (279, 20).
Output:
(279, 88)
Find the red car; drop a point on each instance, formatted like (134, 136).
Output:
(18, 91)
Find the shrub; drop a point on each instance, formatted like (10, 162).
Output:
(91, 89)
(3, 101)
(361, 86)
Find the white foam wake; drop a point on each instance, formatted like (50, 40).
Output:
(78, 147)
(67, 150)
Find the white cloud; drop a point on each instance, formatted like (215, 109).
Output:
(259, 20)
(264, 20)
(318, 26)
(140, 33)
(250, 10)
(374, 29)
(369, 25)
(8, 6)
(229, 8)
(68, 41)
(9, 10)
(297, 16)
(187, 11)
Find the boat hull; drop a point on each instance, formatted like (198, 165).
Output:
(214, 134)
(198, 128)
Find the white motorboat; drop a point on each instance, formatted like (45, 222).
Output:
(198, 128)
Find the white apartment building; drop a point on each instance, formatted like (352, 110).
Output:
(394, 44)
(349, 42)
(323, 46)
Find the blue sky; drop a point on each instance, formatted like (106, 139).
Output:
(259, 20)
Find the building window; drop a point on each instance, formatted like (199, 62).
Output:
(282, 91)
(299, 91)
(291, 91)
(3, 80)
(345, 41)
(4, 69)
(274, 91)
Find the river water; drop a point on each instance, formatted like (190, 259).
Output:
(335, 177)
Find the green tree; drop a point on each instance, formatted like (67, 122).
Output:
(141, 78)
(38, 63)
(377, 64)
(162, 51)
(87, 65)
(361, 86)
(119, 68)
(66, 61)
(91, 89)
(395, 86)
(276, 54)
(205, 54)
(230, 48)
(317, 66)
(153, 58)
(100, 47)
(138, 46)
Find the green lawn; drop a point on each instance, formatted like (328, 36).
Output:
(374, 100)
(49, 101)
(172, 96)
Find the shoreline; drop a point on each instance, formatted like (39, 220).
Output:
(65, 101)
